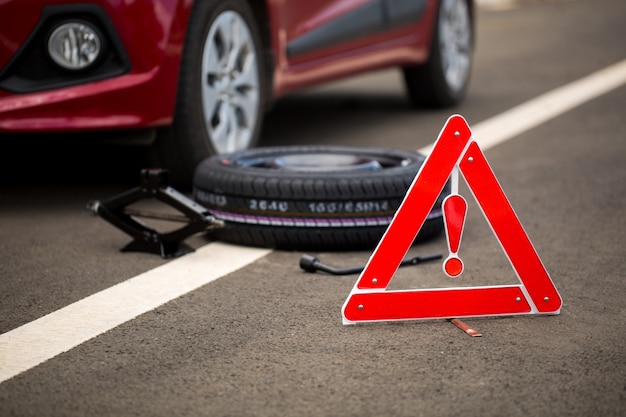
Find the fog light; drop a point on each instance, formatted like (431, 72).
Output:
(74, 45)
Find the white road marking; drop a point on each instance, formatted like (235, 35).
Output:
(36, 342)
(497, 4)
(534, 112)
(503, 5)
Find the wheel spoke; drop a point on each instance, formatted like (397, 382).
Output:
(213, 64)
(233, 131)
(224, 39)
(211, 80)
(246, 90)
(234, 42)
(210, 101)
(218, 126)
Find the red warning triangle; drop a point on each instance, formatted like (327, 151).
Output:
(454, 150)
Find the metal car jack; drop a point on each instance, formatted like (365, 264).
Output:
(154, 185)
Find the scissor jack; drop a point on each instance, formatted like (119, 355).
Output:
(154, 185)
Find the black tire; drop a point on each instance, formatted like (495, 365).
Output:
(441, 81)
(311, 197)
(193, 137)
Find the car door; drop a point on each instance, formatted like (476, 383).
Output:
(325, 39)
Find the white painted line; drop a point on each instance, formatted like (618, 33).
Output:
(38, 341)
(497, 4)
(532, 113)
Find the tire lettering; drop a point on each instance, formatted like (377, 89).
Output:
(268, 205)
(212, 199)
(348, 206)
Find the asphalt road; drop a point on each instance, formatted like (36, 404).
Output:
(267, 339)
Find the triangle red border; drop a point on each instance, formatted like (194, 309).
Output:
(536, 294)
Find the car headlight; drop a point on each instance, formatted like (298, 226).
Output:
(75, 45)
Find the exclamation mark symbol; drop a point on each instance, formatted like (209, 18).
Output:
(454, 211)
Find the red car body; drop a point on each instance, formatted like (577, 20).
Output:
(152, 34)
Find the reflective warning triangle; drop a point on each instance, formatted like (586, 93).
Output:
(455, 150)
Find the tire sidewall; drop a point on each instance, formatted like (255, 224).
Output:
(331, 209)
(449, 95)
(426, 83)
(223, 173)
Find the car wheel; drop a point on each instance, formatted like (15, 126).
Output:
(309, 197)
(443, 79)
(221, 92)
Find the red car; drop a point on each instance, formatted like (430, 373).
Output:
(200, 74)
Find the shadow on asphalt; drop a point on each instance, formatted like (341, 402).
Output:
(96, 158)
(62, 158)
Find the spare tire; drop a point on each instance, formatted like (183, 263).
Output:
(310, 197)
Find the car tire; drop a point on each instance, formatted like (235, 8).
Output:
(310, 197)
(443, 80)
(221, 92)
